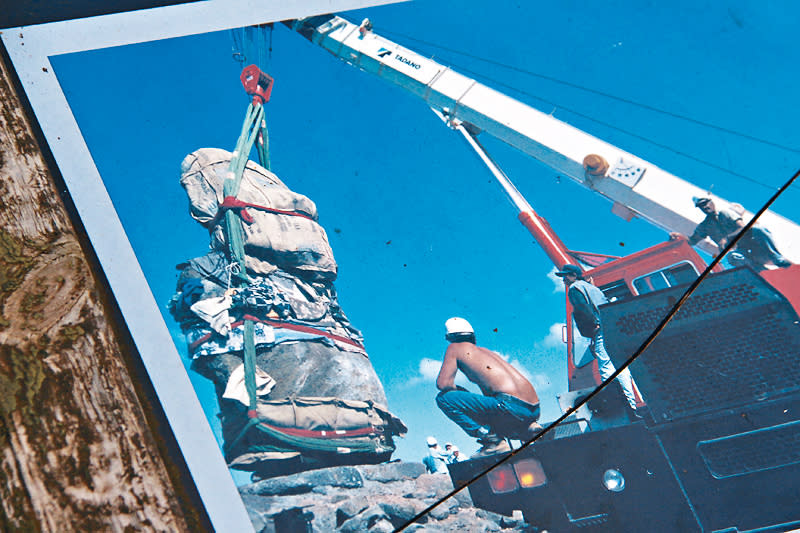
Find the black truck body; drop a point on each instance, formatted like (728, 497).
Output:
(720, 448)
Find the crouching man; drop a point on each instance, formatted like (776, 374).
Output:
(509, 406)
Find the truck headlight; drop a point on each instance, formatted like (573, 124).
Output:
(613, 480)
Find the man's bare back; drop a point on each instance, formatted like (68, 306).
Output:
(486, 369)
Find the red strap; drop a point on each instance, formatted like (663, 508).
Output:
(283, 325)
(231, 202)
(304, 329)
(324, 434)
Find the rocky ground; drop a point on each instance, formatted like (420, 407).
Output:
(375, 498)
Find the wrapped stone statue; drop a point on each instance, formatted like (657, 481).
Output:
(313, 398)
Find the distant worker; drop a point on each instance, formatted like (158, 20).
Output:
(436, 459)
(455, 455)
(585, 299)
(448, 450)
(509, 406)
(756, 248)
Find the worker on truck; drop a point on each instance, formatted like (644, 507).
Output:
(509, 406)
(756, 248)
(585, 299)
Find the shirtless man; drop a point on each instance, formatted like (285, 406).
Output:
(509, 406)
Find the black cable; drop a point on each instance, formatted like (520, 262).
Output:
(626, 132)
(606, 95)
(675, 308)
(611, 126)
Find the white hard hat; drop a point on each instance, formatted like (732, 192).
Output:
(457, 325)
(431, 441)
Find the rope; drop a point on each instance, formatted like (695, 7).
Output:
(231, 202)
(282, 325)
(306, 329)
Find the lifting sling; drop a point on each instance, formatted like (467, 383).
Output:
(259, 86)
(254, 131)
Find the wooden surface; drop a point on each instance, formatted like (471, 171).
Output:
(76, 448)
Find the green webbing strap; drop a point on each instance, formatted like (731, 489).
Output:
(233, 225)
(250, 362)
(328, 445)
(235, 442)
(262, 144)
(235, 232)
(308, 443)
(244, 144)
(230, 187)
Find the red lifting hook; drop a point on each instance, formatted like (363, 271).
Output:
(257, 84)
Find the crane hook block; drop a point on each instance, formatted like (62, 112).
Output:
(257, 84)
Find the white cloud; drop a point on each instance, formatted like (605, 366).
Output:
(540, 382)
(554, 337)
(428, 371)
(554, 340)
(558, 283)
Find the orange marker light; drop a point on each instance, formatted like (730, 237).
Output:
(530, 473)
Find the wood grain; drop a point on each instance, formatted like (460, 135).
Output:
(76, 449)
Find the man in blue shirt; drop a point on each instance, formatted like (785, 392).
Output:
(756, 248)
(436, 459)
(585, 299)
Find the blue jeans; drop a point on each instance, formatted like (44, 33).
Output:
(502, 414)
(606, 368)
(758, 249)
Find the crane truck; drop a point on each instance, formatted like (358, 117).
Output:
(719, 448)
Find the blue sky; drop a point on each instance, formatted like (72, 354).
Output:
(419, 229)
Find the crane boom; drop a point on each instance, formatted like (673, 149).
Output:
(636, 187)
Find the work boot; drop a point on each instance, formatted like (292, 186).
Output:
(534, 429)
(492, 444)
(782, 262)
(642, 413)
(531, 432)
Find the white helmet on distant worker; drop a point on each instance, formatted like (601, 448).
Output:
(457, 325)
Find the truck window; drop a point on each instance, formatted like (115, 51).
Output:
(683, 272)
(616, 290)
